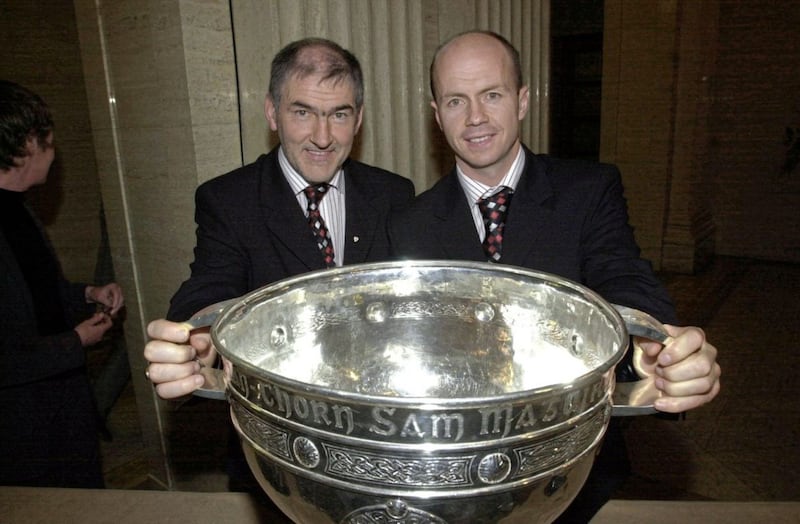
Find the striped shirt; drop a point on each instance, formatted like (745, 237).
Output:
(331, 208)
(475, 190)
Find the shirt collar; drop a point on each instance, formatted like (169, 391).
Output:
(297, 182)
(476, 190)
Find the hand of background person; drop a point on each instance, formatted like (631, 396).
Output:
(109, 296)
(91, 330)
(176, 356)
(686, 369)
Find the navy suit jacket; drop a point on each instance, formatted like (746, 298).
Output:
(566, 217)
(251, 231)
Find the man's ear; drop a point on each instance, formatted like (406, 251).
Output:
(271, 112)
(436, 113)
(524, 97)
(360, 117)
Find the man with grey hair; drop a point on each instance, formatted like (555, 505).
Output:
(253, 223)
(268, 220)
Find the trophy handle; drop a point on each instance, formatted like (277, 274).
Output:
(214, 385)
(208, 315)
(638, 397)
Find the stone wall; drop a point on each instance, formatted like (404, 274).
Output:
(756, 93)
(41, 52)
(697, 100)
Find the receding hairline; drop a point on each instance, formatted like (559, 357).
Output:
(510, 50)
(316, 57)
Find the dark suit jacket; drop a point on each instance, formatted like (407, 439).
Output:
(251, 232)
(26, 356)
(568, 218)
(48, 432)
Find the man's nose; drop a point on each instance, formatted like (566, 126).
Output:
(321, 136)
(476, 114)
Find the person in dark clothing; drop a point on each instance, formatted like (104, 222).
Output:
(48, 433)
(256, 224)
(564, 217)
(253, 223)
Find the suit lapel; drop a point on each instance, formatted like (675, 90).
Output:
(283, 216)
(361, 221)
(528, 214)
(452, 223)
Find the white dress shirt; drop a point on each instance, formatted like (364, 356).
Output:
(331, 208)
(475, 191)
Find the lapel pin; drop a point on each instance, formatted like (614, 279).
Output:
(356, 239)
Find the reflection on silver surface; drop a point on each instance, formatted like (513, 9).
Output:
(412, 332)
(427, 391)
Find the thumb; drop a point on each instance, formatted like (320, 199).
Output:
(645, 354)
(650, 347)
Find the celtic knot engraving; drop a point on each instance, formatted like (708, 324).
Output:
(559, 450)
(421, 309)
(263, 433)
(324, 317)
(397, 471)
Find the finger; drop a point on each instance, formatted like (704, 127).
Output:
(117, 300)
(179, 388)
(105, 321)
(685, 341)
(159, 372)
(119, 297)
(163, 329)
(200, 339)
(168, 352)
(114, 310)
(695, 385)
(204, 349)
(99, 319)
(113, 300)
(679, 404)
(102, 296)
(700, 364)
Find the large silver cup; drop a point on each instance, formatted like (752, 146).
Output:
(424, 392)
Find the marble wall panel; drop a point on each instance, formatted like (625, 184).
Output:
(165, 117)
(637, 103)
(41, 52)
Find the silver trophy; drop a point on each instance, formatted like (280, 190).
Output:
(424, 391)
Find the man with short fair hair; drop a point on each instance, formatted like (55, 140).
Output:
(567, 218)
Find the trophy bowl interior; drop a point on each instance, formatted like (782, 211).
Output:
(453, 331)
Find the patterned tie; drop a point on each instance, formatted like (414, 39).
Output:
(314, 195)
(494, 209)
